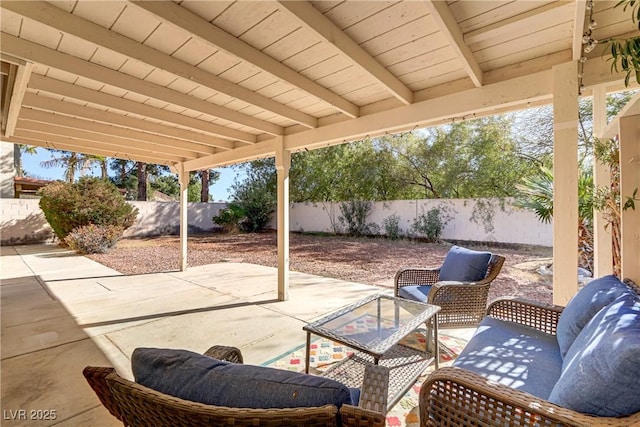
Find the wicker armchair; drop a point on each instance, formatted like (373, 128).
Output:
(136, 405)
(463, 304)
(456, 396)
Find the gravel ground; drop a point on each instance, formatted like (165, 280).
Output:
(365, 260)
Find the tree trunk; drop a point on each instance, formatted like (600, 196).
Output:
(142, 182)
(204, 193)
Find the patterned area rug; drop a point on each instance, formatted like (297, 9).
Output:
(324, 353)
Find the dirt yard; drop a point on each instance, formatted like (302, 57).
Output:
(365, 260)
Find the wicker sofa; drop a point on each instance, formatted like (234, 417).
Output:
(137, 405)
(536, 365)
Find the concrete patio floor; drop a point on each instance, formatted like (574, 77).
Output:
(61, 312)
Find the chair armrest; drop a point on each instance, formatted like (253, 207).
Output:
(415, 276)
(226, 353)
(353, 416)
(372, 407)
(450, 396)
(462, 304)
(97, 378)
(543, 317)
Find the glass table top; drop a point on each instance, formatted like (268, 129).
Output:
(375, 324)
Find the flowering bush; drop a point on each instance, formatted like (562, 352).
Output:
(94, 239)
(68, 206)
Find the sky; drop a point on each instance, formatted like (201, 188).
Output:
(220, 190)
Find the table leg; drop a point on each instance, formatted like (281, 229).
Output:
(308, 356)
(436, 344)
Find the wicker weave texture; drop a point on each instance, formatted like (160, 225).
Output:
(462, 304)
(136, 405)
(457, 397)
(543, 317)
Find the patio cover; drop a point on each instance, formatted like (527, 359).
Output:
(199, 84)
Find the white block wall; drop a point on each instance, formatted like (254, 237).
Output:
(483, 220)
(23, 222)
(155, 218)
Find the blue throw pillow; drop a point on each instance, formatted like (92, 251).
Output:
(601, 372)
(415, 293)
(596, 295)
(198, 378)
(464, 265)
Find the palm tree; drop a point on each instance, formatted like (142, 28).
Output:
(22, 149)
(90, 160)
(536, 193)
(70, 161)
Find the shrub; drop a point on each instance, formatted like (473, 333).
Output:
(354, 218)
(429, 225)
(68, 206)
(94, 239)
(391, 226)
(229, 218)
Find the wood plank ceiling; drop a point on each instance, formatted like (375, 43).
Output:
(217, 82)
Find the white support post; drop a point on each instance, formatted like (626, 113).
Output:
(602, 239)
(565, 182)
(629, 182)
(283, 163)
(183, 179)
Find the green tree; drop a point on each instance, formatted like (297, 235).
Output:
(256, 195)
(70, 161)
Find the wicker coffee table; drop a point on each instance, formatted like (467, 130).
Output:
(374, 328)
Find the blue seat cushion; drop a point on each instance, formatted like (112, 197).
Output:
(601, 371)
(514, 355)
(464, 265)
(415, 293)
(596, 295)
(198, 378)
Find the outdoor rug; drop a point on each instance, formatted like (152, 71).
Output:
(324, 353)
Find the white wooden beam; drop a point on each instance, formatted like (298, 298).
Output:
(578, 28)
(243, 154)
(535, 87)
(80, 93)
(116, 142)
(549, 14)
(70, 64)
(445, 20)
(10, 59)
(19, 87)
(602, 239)
(630, 182)
(565, 182)
(86, 147)
(214, 36)
(283, 164)
(183, 179)
(54, 17)
(131, 134)
(314, 20)
(85, 112)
